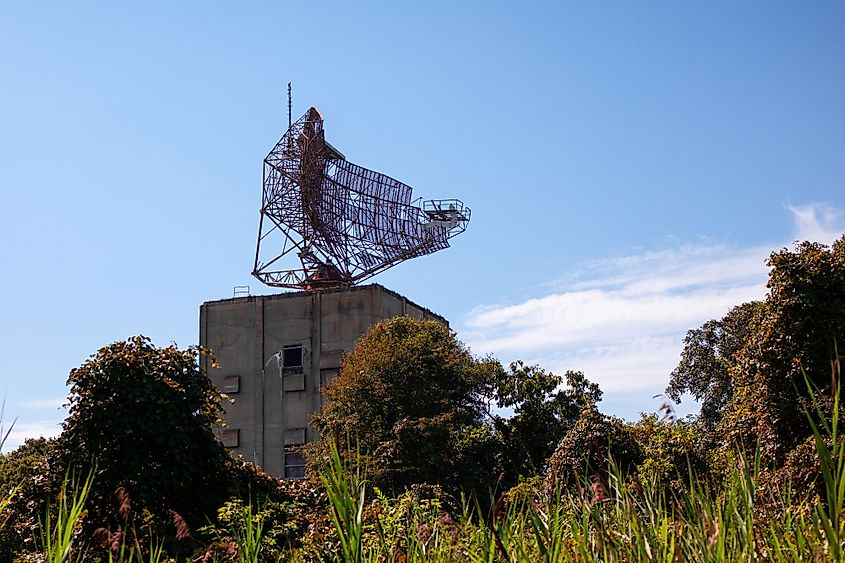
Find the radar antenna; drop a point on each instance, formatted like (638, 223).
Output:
(326, 222)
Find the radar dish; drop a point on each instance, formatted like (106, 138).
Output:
(326, 222)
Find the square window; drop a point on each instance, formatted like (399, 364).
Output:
(231, 384)
(231, 438)
(294, 437)
(294, 465)
(292, 357)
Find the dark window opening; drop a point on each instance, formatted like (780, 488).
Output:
(292, 357)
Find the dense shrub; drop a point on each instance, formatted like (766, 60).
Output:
(708, 358)
(747, 369)
(671, 450)
(141, 421)
(590, 448)
(22, 463)
(21, 471)
(143, 417)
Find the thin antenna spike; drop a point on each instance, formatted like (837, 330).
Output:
(290, 121)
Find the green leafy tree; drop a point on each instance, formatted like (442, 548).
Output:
(21, 463)
(747, 368)
(413, 399)
(143, 417)
(19, 470)
(708, 357)
(803, 324)
(543, 411)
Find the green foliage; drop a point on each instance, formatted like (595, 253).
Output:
(832, 461)
(709, 355)
(611, 522)
(294, 524)
(346, 486)
(413, 397)
(614, 522)
(416, 526)
(543, 411)
(20, 470)
(804, 319)
(144, 416)
(60, 523)
(615, 518)
(671, 450)
(243, 532)
(588, 448)
(416, 401)
(23, 462)
(745, 367)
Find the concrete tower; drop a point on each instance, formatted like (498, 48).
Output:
(276, 352)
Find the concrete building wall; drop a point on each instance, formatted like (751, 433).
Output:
(275, 352)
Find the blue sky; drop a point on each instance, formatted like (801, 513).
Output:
(629, 166)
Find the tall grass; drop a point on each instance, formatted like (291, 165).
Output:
(5, 432)
(248, 534)
(61, 520)
(609, 522)
(346, 487)
(5, 496)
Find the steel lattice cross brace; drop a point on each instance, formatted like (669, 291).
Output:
(326, 222)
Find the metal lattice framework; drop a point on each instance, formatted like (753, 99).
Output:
(326, 222)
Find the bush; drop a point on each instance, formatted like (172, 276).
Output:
(587, 449)
(671, 451)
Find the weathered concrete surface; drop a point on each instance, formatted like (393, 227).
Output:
(273, 403)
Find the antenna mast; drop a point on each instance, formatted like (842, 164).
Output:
(289, 107)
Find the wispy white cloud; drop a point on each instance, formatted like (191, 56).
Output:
(48, 403)
(640, 362)
(818, 222)
(30, 429)
(622, 320)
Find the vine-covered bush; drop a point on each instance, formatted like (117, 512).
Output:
(590, 448)
(671, 451)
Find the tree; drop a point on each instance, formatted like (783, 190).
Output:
(799, 334)
(19, 464)
(143, 417)
(748, 368)
(18, 469)
(708, 356)
(543, 411)
(413, 400)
